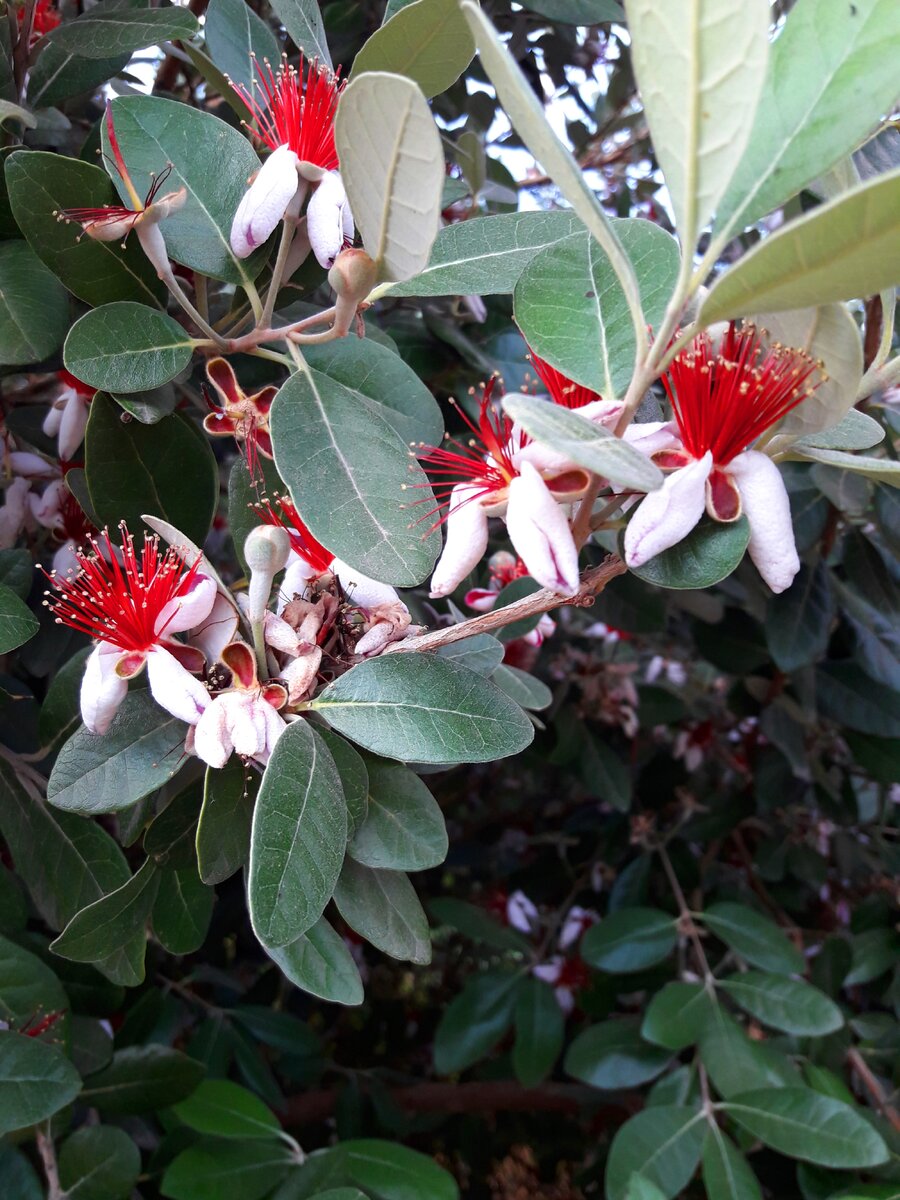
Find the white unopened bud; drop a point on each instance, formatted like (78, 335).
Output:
(266, 550)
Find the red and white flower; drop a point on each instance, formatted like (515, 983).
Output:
(296, 121)
(724, 399)
(237, 415)
(112, 222)
(244, 719)
(504, 568)
(68, 415)
(58, 510)
(133, 610)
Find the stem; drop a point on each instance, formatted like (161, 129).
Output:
(875, 379)
(686, 920)
(48, 1159)
(288, 228)
(255, 302)
(204, 326)
(201, 292)
(581, 526)
(259, 646)
(593, 582)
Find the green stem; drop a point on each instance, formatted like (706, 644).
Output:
(288, 228)
(259, 646)
(178, 293)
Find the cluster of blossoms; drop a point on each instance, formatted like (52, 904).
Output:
(564, 970)
(154, 609)
(725, 394)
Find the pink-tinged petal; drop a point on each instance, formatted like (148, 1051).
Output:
(539, 530)
(361, 591)
(326, 219)
(542, 458)
(212, 734)
(652, 436)
(550, 971)
(46, 508)
(241, 662)
(467, 539)
(248, 723)
(153, 244)
(297, 575)
(30, 466)
(481, 599)
(219, 628)
(218, 424)
(102, 689)
(73, 422)
(275, 726)
(666, 516)
(190, 657)
(188, 610)
(52, 421)
(300, 674)
(521, 912)
(375, 639)
(768, 509)
(175, 689)
(281, 636)
(220, 374)
(602, 412)
(12, 512)
(265, 202)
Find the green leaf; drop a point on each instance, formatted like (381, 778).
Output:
(382, 907)
(167, 469)
(424, 709)
(523, 689)
(875, 951)
(139, 753)
(572, 286)
(612, 1056)
(320, 963)
(799, 621)
(65, 862)
(679, 1015)
(126, 347)
(663, 1144)
(848, 696)
(830, 335)
(642, 1189)
(227, 1110)
(169, 839)
(754, 937)
(392, 167)
(354, 776)
(209, 158)
(99, 1162)
(303, 22)
(18, 624)
(735, 1063)
(60, 74)
(629, 940)
(475, 1020)
(381, 383)
(211, 1168)
(234, 36)
(60, 713)
(347, 470)
(486, 255)
(18, 1175)
(807, 1125)
(584, 443)
(392, 1172)
(28, 988)
(832, 73)
(298, 839)
(404, 828)
(842, 250)
(40, 185)
(578, 12)
(726, 1175)
(478, 924)
(855, 431)
(182, 910)
(36, 1080)
(700, 68)
(143, 1078)
(540, 1029)
(885, 470)
(34, 307)
(112, 931)
(482, 653)
(428, 42)
(111, 29)
(786, 1004)
(708, 554)
(223, 831)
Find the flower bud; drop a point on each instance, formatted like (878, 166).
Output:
(266, 551)
(352, 277)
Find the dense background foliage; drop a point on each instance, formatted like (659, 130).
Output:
(684, 891)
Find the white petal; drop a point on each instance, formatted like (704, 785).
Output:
(65, 560)
(212, 735)
(153, 244)
(187, 611)
(768, 509)
(275, 727)
(376, 639)
(602, 412)
(174, 688)
(651, 436)
(218, 629)
(73, 422)
(52, 420)
(248, 724)
(521, 912)
(265, 202)
(12, 512)
(46, 508)
(666, 516)
(31, 466)
(362, 591)
(296, 577)
(540, 532)
(467, 539)
(102, 690)
(328, 219)
(549, 971)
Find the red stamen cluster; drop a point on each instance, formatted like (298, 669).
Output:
(122, 604)
(292, 114)
(724, 399)
(45, 18)
(67, 379)
(109, 213)
(484, 463)
(563, 391)
(302, 541)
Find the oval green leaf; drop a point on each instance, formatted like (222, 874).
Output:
(126, 347)
(708, 554)
(404, 827)
(34, 307)
(382, 907)
(629, 940)
(787, 1004)
(427, 41)
(612, 1056)
(807, 1125)
(111, 29)
(663, 1144)
(319, 962)
(754, 937)
(36, 1080)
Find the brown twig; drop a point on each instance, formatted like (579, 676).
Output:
(858, 1064)
(48, 1159)
(593, 582)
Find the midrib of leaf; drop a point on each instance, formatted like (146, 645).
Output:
(790, 1122)
(676, 1137)
(689, 233)
(393, 167)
